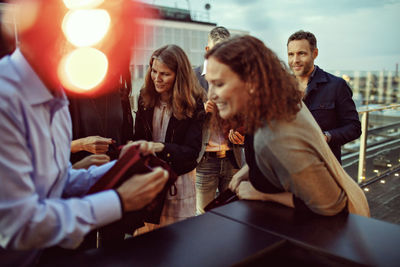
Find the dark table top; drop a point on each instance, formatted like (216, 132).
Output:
(207, 240)
(249, 233)
(348, 236)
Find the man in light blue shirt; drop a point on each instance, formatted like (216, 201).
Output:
(42, 199)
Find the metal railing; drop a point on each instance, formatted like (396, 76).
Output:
(364, 114)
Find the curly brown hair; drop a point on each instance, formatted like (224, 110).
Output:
(274, 93)
(186, 89)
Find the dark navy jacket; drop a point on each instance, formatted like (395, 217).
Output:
(182, 140)
(329, 99)
(203, 82)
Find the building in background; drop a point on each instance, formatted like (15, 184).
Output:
(172, 26)
(372, 87)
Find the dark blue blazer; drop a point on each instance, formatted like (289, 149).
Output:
(329, 99)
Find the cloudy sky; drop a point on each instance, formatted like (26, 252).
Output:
(351, 34)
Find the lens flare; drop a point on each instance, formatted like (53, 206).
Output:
(83, 69)
(86, 27)
(75, 4)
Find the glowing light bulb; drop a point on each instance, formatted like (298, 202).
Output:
(74, 4)
(83, 69)
(366, 189)
(383, 182)
(86, 27)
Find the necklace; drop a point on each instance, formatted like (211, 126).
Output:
(163, 106)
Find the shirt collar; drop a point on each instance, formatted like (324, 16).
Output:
(32, 87)
(204, 68)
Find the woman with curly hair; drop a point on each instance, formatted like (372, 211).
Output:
(288, 159)
(169, 124)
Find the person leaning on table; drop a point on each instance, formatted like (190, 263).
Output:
(288, 159)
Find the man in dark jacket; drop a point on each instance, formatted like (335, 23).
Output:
(328, 97)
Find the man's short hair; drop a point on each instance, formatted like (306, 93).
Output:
(218, 34)
(302, 35)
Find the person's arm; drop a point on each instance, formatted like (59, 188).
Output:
(313, 184)
(182, 157)
(247, 191)
(92, 144)
(79, 181)
(26, 213)
(290, 160)
(349, 126)
(237, 178)
(64, 222)
(91, 160)
(314, 188)
(318, 190)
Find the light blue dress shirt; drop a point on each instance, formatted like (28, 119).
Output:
(39, 191)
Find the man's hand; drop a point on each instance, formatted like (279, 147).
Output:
(141, 189)
(235, 137)
(209, 106)
(92, 144)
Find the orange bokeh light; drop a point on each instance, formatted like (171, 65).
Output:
(73, 69)
(86, 27)
(74, 4)
(98, 46)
